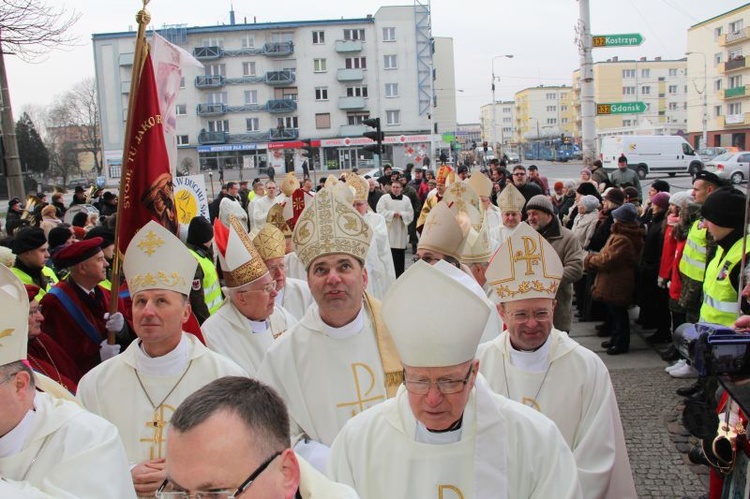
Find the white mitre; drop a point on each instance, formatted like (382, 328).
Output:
(444, 231)
(524, 266)
(14, 317)
(477, 248)
(461, 198)
(445, 334)
(481, 184)
(510, 199)
(157, 259)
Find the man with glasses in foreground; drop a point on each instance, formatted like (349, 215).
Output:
(446, 434)
(541, 367)
(231, 439)
(247, 322)
(49, 447)
(527, 189)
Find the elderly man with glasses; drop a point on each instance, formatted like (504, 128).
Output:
(445, 434)
(541, 367)
(249, 320)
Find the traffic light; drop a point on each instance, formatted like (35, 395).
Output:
(485, 145)
(377, 136)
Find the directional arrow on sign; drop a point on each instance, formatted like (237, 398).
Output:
(623, 40)
(621, 108)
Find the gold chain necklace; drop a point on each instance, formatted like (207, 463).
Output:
(156, 406)
(536, 395)
(51, 360)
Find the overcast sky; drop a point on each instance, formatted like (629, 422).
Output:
(539, 33)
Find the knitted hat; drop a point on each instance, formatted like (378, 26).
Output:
(586, 171)
(558, 185)
(588, 189)
(660, 199)
(625, 213)
(28, 239)
(58, 236)
(725, 207)
(680, 198)
(660, 186)
(615, 196)
(200, 231)
(540, 202)
(589, 203)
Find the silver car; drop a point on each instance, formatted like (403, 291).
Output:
(734, 166)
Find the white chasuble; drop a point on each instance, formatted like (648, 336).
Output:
(506, 451)
(66, 453)
(112, 390)
(294, 267)
(232, 335)
(295, 297)
(577, 394)
(494, 224)
(379, 261)
(398, 227)
(325, 378)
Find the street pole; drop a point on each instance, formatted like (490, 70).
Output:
(588, 106)
(494, 105)
(12, 160)
(704, 138)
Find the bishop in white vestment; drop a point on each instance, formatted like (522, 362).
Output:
(258, 208)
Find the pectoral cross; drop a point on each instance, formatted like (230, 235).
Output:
(530, 402)
(158, 424)
(365, 398)
(529, 255)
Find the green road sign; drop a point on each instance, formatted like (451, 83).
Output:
(624, 40)
(621, 108)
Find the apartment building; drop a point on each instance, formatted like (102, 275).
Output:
(718, 75)
(497, 122)
(269, 89)
(543, 112)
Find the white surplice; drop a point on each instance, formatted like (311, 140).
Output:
(112, 390)
(234, 336)
(59, 450)
(577, 395)
(381, 273)
(398, 227)
(502, 451)
(294, 267)
(258, 209)
(494, 224)
(315, 485)
(295, 297)
(325, 375)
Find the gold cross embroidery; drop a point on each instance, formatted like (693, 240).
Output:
(528, 255)
(151, 243)
(362, 399)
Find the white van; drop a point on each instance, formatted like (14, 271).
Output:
(646, 154)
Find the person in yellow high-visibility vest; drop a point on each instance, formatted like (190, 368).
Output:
(32, 252)
(108, 248)
(200, 243)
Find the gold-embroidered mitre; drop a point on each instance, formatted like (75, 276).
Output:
(330, 225)
(524, 266)
(240, 261)
(481, 184)
(477, 248)
(289, 184)
(442, 231)
(360, 185)
(156, 259)
(510, 199)
(277, 219)
(461, 198)
(270, 243)
(14, 317)
(426, 336)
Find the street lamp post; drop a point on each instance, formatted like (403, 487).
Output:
(704, 138)
(494, 102)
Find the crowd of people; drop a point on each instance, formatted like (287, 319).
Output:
(283, 347)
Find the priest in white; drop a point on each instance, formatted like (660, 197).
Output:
(139, 389)
(247, 322)
(398, 213)
(482, 185)
(49, 447)
(446, 434)
(339, 359)
(292, 295)
(543, 368)
(258, 208)
(511, 203)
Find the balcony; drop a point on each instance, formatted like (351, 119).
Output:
(350, 75)
(208, 53)
(278, 49)
(732, 38)
(211, 109)
(280, 78)
(352, 130)
(351, 103)
(735, 64)
(126, 59)
(242, 138)
(283, 134)
(277, 106)
(731, 93)
(347, 46)
(209, 81)
(207, 138)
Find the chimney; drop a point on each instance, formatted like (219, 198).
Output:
(231, 15)
(657, 58)
(643, 59)
(615, 58)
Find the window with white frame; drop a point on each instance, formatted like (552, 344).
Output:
(735, 81)
(356, 91)
(563, 108)
(736, 26)
(718, 57)
(251, 97)
(218, 126)
(717, 111)
(645, 90)
(354, 34)
(355, 63)
(182, 82)
(718, 84)
(248, 68)
(391, 89)
(564, 121)
(180, 109)
(287, 122)
(552, 121)
(673, 106)
(216, 97)
(252, 124)
(645, 73)
(673, 89)
(183, 140)
(321, 93)
(628, 73)
(318, 37)
(626, 123)
(212, 42)
(248, 41)
(551, 109)
(356, 118)
(628, 90)
(551, 96)
(734, 54)
(389, 34)
(718, 31)
(735, 108)
(393, 118)
(672, 72)
(563, 95)
(216, 69)
(390, 62)
(319, 65)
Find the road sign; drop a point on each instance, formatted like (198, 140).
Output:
(624, 40)
(621, 108)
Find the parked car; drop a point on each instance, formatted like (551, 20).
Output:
(734, 166)
(646, 154)
(709, 153)
(513, 157)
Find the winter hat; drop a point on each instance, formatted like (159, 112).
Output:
(660, 186)
(28, 239)
(558, 185)
(569, 185)
(725, 207)
(615, 196)
(589, 203)
(631, 192)
(540, 202)
(681, 197)
(59, 236)
(80, 219)
(586, 171)
(625, 213)
(588, 189)
(660, 199)
(200, 231)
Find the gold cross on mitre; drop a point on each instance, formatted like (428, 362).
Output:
(529, 254)
(151, 243)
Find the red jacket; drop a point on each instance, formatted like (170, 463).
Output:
(669, 269)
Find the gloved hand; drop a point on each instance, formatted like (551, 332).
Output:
(107, 351)
(661, 282)
(115, 322)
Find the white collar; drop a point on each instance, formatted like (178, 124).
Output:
(258, 326)
(536, 361)
(170, 364)
(346, 331)
(12, 442)
(425, 436)
(87, 291)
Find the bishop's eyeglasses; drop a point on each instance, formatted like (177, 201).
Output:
(444, 386)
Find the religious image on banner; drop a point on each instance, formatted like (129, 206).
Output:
(276, 160)
(248, 162)
(190, 198)
(300, 158)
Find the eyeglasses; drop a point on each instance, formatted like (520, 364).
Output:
(519, 174)
(522, 316)
(444, 386)
(267, 289)
(162, 493)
